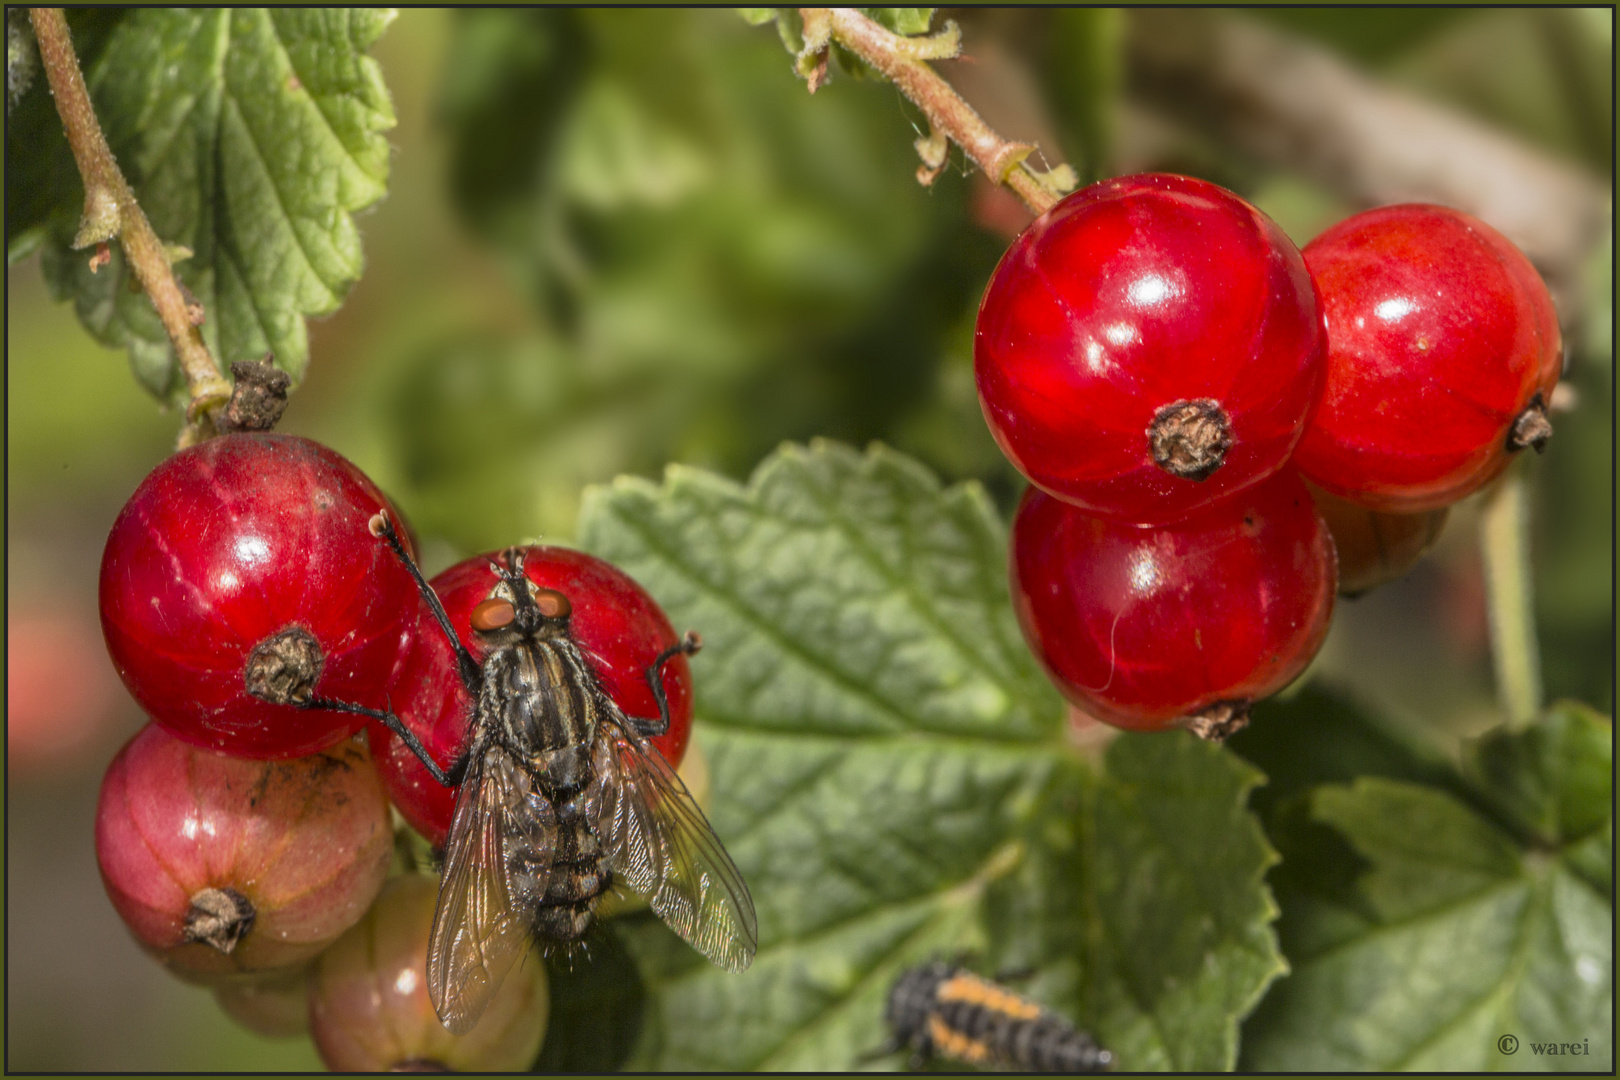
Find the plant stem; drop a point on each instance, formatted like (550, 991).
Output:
(1504, 541)
(903, 61)
(110, 210)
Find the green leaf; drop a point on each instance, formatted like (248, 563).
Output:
(905, 21)
(250, 135)
(1554, 779)
(890, 775)
(1322, 734)
(1141, 907)
(758, 16)
(1440, 930)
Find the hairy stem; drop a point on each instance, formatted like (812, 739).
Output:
(904, 62)
(110, 211)
(1504, 540)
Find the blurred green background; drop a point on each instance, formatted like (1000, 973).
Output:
(615, 239)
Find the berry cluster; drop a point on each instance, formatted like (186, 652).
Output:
(1164, 366)
(245, 835)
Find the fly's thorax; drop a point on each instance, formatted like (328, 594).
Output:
(541, 697)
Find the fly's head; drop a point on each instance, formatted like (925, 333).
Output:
(517, 608)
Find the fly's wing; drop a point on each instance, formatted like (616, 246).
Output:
(659, 843)
(481, 923)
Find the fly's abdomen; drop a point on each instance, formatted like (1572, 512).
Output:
(571, 882)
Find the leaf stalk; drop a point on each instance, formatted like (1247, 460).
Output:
(111, 211)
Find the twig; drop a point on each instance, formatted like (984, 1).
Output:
(110, 210)
(1504, 541)
(904, 62)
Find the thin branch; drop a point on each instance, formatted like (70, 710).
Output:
(1504, 542)
(904, 62)
(110, 211)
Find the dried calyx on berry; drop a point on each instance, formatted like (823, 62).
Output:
(1149, 346)
(1190, 439)
(258, 396)
(218, 917)
(284, 668)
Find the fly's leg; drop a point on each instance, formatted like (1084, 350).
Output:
(650, 729)
(450, 778)
(382, 527)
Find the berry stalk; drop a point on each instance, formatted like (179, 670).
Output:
(1504, 542)
(904, 62)
(111, 211)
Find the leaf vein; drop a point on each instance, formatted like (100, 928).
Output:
(332, 298)
(763, 626)
(907, 587)
(318, 102)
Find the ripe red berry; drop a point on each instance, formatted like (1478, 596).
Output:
(241, 576)
(1375, 547)
(1148, 346)
(618, 625)
(1443, 350)
(368, 1000)
(222, 865)
(1188, 623)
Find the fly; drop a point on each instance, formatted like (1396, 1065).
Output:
(561, 796)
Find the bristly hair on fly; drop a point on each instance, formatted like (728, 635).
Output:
(562, 798)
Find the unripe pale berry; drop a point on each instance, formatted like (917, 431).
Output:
(369, 1009)
(275, 1006)
(224, 866)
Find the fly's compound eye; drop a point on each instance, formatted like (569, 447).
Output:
(552, 604)
(493, 614)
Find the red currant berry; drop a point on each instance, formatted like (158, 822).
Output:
(620, 628)
(1443, 350)
(1148, 346)
(222, 865)
(368, 1000)
(241, 579)
(1185, 624)
(1375, 547)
